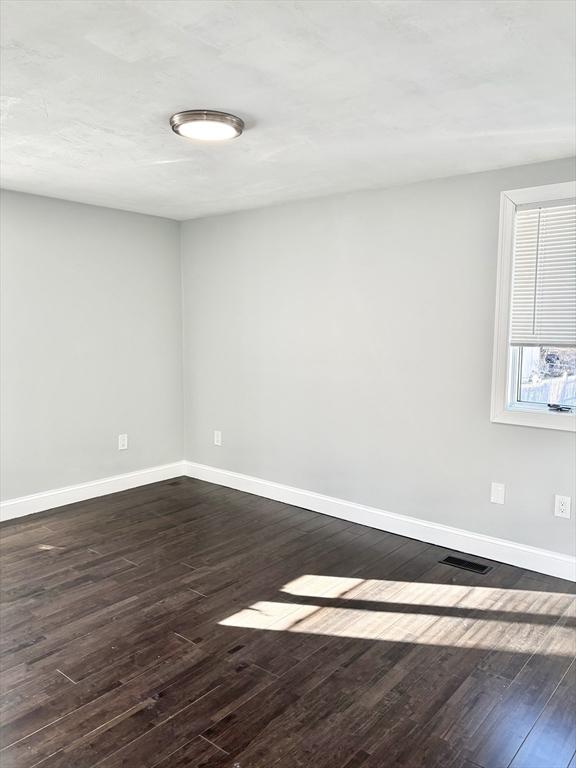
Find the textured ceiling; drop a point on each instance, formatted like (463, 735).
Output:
(337, 96)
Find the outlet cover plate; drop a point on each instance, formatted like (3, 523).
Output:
(497, 493)
(562, 506)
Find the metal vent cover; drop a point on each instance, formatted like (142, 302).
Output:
(466, 565)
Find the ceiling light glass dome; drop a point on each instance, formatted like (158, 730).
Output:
(206, 125)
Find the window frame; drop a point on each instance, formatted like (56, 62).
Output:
(503, 409)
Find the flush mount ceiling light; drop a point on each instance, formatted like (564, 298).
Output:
(206, 125)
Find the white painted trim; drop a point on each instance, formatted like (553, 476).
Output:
(39, 502)
(500, 384)
(502, 409)
(544, 194)
(502, 550)
(522, 555)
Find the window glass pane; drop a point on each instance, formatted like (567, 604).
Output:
(547, 375)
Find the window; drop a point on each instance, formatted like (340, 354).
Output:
(534, 374)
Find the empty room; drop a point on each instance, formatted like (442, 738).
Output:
(288, 392)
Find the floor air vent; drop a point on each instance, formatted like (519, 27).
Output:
(467, 565)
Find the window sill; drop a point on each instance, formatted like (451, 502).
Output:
(526, 416)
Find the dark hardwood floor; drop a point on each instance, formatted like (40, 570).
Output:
(184, 624)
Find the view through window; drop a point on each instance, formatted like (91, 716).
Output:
(547, 375)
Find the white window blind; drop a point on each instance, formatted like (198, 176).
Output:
(543, 309)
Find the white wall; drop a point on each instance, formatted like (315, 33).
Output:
(91, 343)
(344, 346)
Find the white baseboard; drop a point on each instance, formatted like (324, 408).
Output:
(39, 502)
(502, 550)
(522, 555)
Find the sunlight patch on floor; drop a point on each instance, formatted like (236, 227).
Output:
(423, 613)
(427, 593)
(427, 629)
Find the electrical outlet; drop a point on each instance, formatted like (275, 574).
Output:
(497, 493)
(217, 437)
(122, 442)
(562, 506)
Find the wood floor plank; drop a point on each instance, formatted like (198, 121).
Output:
(198, 753)
(501, 735)
(186, 624)
(552, 741)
